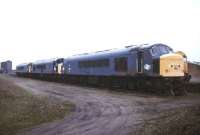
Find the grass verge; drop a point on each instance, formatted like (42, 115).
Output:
(20, 109)
(184, 121)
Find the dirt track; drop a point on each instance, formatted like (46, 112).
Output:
(102, 112)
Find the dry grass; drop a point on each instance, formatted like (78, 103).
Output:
(184, 121)
(20, 109)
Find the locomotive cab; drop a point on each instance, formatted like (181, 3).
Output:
(166, 63)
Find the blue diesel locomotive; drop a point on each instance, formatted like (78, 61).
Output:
(132, 67)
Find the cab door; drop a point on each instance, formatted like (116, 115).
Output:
(29, 68)
(140, 62)
(60, 68)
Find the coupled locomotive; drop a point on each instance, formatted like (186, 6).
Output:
(149, 66)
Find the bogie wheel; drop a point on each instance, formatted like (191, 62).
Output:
(180, 89)
(171, 91)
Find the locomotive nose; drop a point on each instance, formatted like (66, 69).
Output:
(171, 65)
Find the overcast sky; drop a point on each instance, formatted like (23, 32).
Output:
(42, 29)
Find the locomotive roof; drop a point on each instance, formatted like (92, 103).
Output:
(23, 64)
(44, 61)
(99, 54)
(125, 50)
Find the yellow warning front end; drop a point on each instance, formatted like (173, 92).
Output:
(172, 65)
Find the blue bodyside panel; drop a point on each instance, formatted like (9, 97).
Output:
(49, 68)
(72, 64)
(132, 63)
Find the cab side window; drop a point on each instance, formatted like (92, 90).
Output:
(121, 64)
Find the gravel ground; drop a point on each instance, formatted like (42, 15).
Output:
(103, 112)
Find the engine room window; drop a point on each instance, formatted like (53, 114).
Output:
(121, 64)
(41, 67)
(20, 68)
(94, 63)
